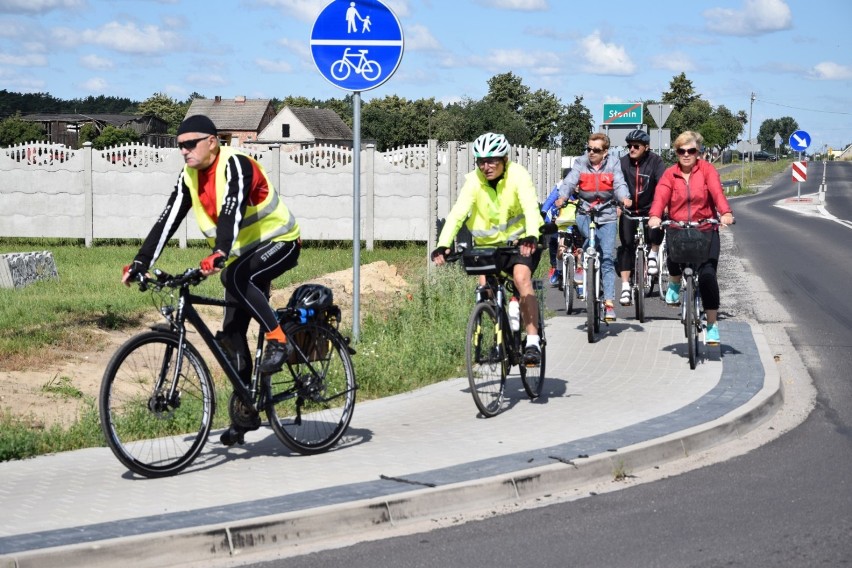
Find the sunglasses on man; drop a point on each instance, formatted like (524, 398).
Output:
(191, 144)
(592, 150)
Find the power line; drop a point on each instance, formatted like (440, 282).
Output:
(801, 108)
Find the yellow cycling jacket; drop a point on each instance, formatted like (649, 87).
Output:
(495, 216)
(269, 220)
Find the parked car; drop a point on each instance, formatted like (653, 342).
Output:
(761, 156)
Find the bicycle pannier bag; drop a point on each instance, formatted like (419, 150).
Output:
(481, 261)
(689, 245)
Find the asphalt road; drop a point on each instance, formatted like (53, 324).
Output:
(785, 503)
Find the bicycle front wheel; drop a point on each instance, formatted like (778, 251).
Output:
(568, 281)
(592, 304)
(340, 69)
(156, 408)
(310, 402)
(533, 377)
(690, 321)
(662, 271)
(639, 278)
(486, 359)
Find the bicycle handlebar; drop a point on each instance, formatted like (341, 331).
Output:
(190, 277)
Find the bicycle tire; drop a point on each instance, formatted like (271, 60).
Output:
(592, 303)
(310, 402)
(486, 359)
(689, 321)
(533, 377)
(639, 275)
(568, 281)
(340, 70)
(371, 70)
(662, 271)
(148, 434)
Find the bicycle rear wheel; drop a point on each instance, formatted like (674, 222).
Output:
(690, 321)
(533, 377)
(151, 430)
(310, 402)
(639, 278)
(487, 363)
(568, 281)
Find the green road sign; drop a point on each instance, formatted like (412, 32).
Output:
(623, 113)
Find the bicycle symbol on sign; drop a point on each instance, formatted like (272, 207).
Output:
(369, 69)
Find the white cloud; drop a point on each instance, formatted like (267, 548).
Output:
(95, 85)
(499, 60)
(757, 17)
(96, 62)
(829, 70)
(604, 58)
(23, 60)
(674, 61)
(206, 80)
(419, 38)
(304, 10)
(520, 5)
(122, 37)
(38, 6)
(300, 47)
(273, 66)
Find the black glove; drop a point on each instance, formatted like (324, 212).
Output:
(440, 251)
(135, 269)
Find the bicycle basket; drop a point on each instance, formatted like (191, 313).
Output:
(689, 245)
(482, 261)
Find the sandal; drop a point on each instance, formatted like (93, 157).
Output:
(626, 297)
(652, 266)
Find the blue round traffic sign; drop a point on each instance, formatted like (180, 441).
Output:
(800, 140)
(356, 44)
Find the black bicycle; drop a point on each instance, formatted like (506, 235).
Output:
(158, 398)
(493, 344)
(641, 282)
(689, 245)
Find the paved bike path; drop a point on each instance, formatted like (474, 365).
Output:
(627, 402)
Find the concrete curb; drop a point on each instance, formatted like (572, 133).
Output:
(301, 529)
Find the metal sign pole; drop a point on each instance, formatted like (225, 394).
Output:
(356, 215)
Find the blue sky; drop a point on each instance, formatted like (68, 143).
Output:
(796, 56)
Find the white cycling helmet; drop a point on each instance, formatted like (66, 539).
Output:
(490, 145)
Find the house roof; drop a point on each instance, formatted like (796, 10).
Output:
(240, 113)
(113, 119)
(323, 123)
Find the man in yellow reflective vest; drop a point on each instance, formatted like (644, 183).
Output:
(253, 237)
(498, 203)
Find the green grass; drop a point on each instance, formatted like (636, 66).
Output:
(416, 341)
(751, 175)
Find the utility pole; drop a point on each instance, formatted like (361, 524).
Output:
(750, 141)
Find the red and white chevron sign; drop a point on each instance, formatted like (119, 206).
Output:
(800, 171)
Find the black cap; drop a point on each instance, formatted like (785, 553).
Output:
(197, 123)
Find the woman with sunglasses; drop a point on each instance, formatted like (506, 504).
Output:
(692, 191)
(596, 179)
(253, 236)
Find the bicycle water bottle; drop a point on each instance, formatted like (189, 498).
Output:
(514, 314)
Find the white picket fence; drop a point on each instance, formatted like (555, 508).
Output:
(48, 190)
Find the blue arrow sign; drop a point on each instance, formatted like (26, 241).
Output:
(356, 45)
(800, 140)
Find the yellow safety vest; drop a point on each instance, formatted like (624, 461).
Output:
(495, 216)
(269, 220)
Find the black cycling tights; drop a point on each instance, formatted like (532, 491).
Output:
(247, 282)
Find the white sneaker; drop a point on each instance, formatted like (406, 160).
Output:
(626, 297)
(653, 269)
